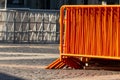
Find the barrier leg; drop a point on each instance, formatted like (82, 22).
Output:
(72, 62)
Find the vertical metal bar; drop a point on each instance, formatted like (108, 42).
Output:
(5, 22)
(119, 34)
(65, 31)
(82, 25)
(105, 24)
(97, 32)
(118, 15)
(111, 18)
(50, 32)
(48, 29)
(94, 32)
(71, 36)
(39, 27)
(115, 31)
(104, 32)
(36, 29)
(28, 31)
(14, 23)
(42, 27)
(107, 50)
(56, 27)
(21, 22)
(5, 4)
(89, 48)
(86, 29)
(77, 32)
(61, 30)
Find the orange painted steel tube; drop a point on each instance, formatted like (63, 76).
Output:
(91, 56)
(88, 6)
(61, 30)
(90, 31)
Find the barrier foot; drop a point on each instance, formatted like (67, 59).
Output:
(69, 62)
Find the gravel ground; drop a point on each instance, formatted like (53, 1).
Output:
(28, 62)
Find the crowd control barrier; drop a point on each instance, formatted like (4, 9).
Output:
(31, 26)
(86, 32)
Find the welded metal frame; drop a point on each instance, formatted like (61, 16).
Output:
(63, 33)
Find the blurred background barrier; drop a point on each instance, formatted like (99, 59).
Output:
(29, 26)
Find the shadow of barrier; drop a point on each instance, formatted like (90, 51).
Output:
(88, 32)
(4, 76)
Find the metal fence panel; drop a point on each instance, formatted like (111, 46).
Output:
(29, 26)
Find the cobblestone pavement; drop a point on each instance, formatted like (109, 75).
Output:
(28, 62)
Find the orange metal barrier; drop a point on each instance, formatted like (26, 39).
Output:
(88, 31)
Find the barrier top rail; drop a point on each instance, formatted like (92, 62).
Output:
(30, 10)
(65, 6)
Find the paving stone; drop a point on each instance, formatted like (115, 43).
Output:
(21, 68)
